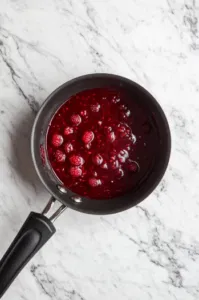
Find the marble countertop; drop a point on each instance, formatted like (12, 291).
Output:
(150, 251)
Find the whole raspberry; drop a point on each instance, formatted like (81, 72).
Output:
(133, 166)
(123, 155)
(111, 137)
(119, 173)
(76, 160)
(68, 147)
(68, 130)
(123, 130)
(128, 146)
(114, 164)
(94, 173)
(75, 171)
(88, 137)
(57, 140)
(60, 156)
(104, 166)
(94, 182)
(76, 119)
(97, 159)
(84, 113)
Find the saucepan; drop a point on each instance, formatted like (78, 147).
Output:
(38, 228)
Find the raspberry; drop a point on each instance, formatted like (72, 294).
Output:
(95, 107)
(108, 129)
(88, 137)
(68, 130)
(115, 99)
(113, 157)
(97, 159)
(76, 119)
(104, 166)
(68, 147)
(60, 156)
(123, 130)
(119, 173)
(57, 140)
(123, 155)
(128, 146)
(76, 160)
(84, 113)
(75, 171)
(94, 173)
(114, 164)
(111, 137)
(94, 182)
(133, 166)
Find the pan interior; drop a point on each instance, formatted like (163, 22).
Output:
(145, 185)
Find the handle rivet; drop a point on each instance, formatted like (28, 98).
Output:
(62, 189)
(77, 199)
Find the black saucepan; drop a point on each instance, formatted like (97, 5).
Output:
(37, 229)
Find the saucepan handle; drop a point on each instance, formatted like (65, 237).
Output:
(35, 232)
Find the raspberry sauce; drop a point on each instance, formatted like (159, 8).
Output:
(100, 143)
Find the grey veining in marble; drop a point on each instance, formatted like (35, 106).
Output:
(148, 252)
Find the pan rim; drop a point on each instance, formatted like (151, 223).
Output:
(156, 181)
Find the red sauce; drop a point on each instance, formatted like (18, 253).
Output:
(100, 143)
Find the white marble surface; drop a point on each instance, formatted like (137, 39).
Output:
(148, 252)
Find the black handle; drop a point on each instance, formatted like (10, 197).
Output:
(35, 232)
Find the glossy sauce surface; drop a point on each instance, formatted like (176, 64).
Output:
(101, 143)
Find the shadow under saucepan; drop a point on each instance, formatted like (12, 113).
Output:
(22, 159)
